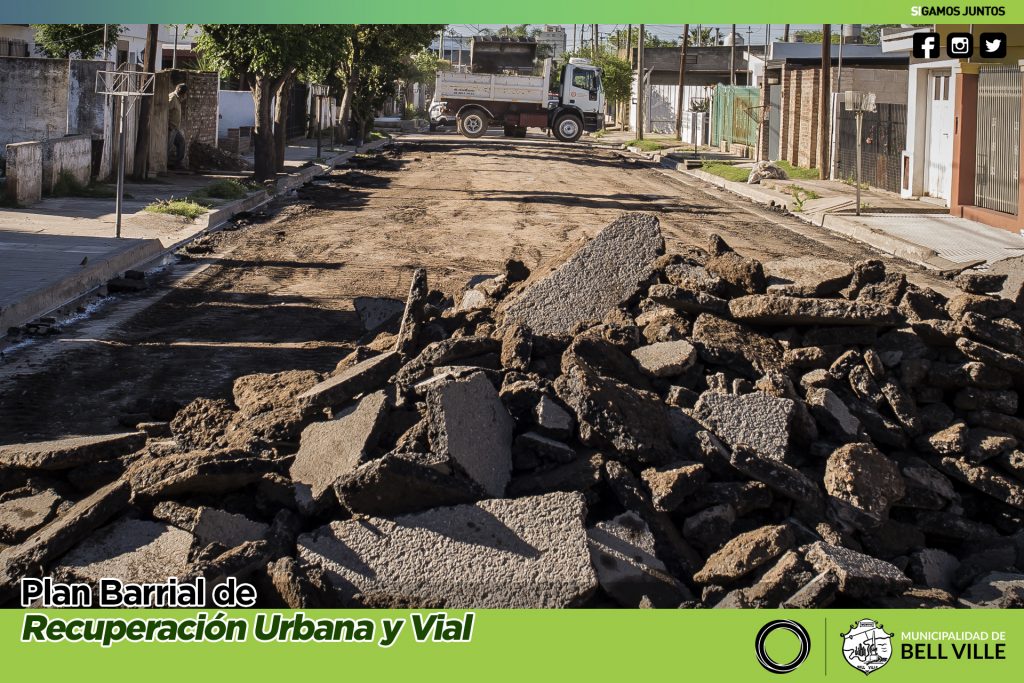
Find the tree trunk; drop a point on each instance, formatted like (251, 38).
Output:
(262, 132)
(141, 168)
(282, 93)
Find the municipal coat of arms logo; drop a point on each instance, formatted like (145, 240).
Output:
(867, 647)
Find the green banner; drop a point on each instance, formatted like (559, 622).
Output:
(533, 11)
(454, 645)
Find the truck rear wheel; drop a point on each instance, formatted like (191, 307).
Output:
(568, 128)
(473, 123)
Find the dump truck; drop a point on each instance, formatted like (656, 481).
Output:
(476, 101)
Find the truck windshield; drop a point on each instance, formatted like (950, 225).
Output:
(585, 80)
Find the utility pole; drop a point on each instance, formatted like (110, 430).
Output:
(732, 56)
(574, 37)
(682, 83)
(174, 55)
(640, 86)
(785, 33)
(825, 92)
(596, 41)
(440, 44)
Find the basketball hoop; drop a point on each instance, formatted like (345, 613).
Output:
(128, 86)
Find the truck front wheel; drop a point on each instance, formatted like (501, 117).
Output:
(473, 123)
(568, 128)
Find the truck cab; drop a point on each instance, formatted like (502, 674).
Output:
(581, 94)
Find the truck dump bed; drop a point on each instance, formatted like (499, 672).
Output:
(493, 87)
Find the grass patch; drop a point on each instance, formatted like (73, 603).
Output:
(186, 208)
(69, 186)
(375, 135)
(648, 145)
(599, 134)
(731, 172)
(801, 195)
(797, 172)
(221, 189)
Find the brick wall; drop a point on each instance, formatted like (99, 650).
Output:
(199, 110)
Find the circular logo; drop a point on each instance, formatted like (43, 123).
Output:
(771, 627)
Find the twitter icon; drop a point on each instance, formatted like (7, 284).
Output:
(993, 45)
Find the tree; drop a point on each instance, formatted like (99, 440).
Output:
(871, 34)
(699, 36)
(271, 55)
(620, 37)
(616, 72)
(141, 169)
(84, 41)
(815, 37)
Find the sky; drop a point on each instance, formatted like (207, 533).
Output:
(666, 31)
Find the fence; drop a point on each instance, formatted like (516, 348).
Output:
(884, 136)
(997, 167)
(735, 114)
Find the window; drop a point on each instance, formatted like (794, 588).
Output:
(940, 88)
(584, 80)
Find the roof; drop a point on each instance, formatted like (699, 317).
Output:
(710, 58)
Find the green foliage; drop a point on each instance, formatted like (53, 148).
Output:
(619, 37)
(221, 189)
(797, 172)
(185, 208)
(616, 73)
(699, 37)
(82, 41)
(646, 145)
(801, 195)
(815, 36)
(736, 174)
(69, 186)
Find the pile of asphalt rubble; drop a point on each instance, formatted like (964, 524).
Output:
(628, 427)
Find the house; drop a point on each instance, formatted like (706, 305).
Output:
(963, 126)
(19, 40)
(791, 97)
(706, 67)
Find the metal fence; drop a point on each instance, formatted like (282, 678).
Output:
(997, 168)
(883, 137)
(735, 114)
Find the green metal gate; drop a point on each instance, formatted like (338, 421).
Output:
(735, 114)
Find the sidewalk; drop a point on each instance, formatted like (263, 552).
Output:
(59, 250)
(915, 230)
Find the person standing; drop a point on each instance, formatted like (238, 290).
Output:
(176, 143)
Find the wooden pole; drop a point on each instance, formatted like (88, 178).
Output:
(732, 57)
(682, 83)
(640, 86)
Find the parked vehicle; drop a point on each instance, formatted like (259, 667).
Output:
(438, 118)
(477, 101)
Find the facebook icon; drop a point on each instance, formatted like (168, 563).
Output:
(926, 45)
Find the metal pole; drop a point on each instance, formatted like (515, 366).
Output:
(174, 56)
(682, 83)
(732, 56)
(120, 165)
(839, 89)
(640, 86)
(319, 107)
(860, 121)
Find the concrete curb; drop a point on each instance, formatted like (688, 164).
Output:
(844, 225)
(150, 253)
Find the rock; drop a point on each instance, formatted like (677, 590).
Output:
(787, 576)
(516, 348)
(412, 316)
(201, 424)
(580, 475)
(710, 528)
(996, 590)
(614, 415)
(724, 342)
(1013, 287)
(599, 276)
(1003, 334)
(971, 398)
(213, 525)
(19, 517)
(553, 419)
(979, 283)
(376, 312)
(796, 276)
(544, 447)
(131, 550)
(741, 275)
(60, 535)
(818, 592)
(862, 484)
(442, 353)
(622, 552)
(988, 306)
(757, 420)
(745, 553)
(364, 377)
(688, 301)
(860, 576)
(470, 425)
(262, 392)
(399, 483)
(986, 480)
(665, 359)
(333, 448)
(771, 309)
(522, 553)
(671, 484)
(949, 441)
(832, 414)
(933, 568)
(778, 476)
(213, 472)
(71, 452)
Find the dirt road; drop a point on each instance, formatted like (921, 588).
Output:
(277, 294)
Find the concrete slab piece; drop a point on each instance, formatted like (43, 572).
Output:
(470, 424)
(770, 309)
(798, 276)
(860, 575)
(523, 553)
(328, 450)
(757, 420)
(67, 453)
(368, 375)
(213, 525)
(665, 359)
(374, 311)
(19, 517)
(604, 272)
(131, 550)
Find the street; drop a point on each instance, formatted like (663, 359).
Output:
(278, 294)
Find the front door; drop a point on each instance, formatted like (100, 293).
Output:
(938, 157)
